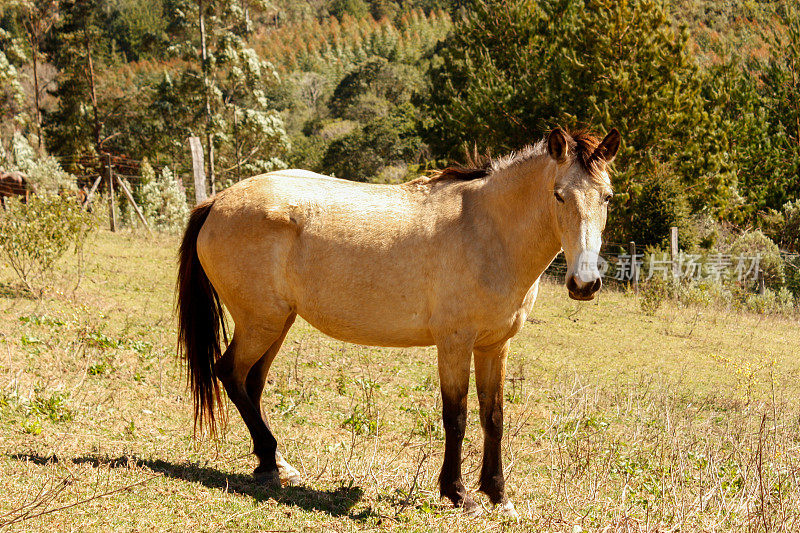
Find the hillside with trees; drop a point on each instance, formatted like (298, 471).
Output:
(705, 92)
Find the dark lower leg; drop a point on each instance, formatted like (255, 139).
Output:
(264, 443)
(454, 417)
(454, 365)
(489, 377)
(492, 481)
(254, 388)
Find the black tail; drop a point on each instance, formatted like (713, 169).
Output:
(200, 318)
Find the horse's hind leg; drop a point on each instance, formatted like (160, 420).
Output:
(255, 387)
(249, 344)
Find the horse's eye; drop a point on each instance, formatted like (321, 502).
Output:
(558, 197)
(608, 198)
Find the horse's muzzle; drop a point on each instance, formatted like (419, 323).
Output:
(585, 293)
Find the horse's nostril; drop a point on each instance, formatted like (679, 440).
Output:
(596, 285)
(572, 286)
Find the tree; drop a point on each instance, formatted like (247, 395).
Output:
(766, 115)
(211, 37)
(37, 18)
(12, 96)
(361, 154)
(372, 88)
(76, 126)
(511, 70)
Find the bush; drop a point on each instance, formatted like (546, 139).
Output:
(34, 236)
(43, 173)
(162, 199)
(761, 303)
(755, 243)
(653, 293)
(790, 233)
(793, 274)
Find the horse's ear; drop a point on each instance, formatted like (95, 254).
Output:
(557, 145)
(607, 149)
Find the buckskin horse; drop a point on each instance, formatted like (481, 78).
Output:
(452, 259)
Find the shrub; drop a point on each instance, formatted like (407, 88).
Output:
(34, 236)
(43, 173)
(761, 303)
(793, 274)
(790, 233)
(755, 243)
(785, 300)
(163, 199)
(653, 293)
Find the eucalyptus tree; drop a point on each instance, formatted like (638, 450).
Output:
(243, 134)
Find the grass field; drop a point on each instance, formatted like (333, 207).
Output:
(615, 420)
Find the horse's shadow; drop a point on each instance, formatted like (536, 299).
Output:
(336, 502)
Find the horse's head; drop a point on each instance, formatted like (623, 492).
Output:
(581, 192)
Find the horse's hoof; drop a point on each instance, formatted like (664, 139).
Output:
(471, 508)
(507, 509)
(270, 478)
(292, 479)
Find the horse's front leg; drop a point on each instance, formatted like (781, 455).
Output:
(454, 365)
(490, 372)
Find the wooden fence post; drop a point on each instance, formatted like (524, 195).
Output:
(112, 210)
(129, 195)
(634, 267)
(673, 252)
(199, 170)
(88, 201)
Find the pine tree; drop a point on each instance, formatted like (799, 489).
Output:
(508, 74)
(76, 126)
(767, 120)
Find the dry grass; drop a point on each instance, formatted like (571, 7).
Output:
(616, 421)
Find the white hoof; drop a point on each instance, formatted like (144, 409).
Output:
(507, 509)
(291, 479)
(473, 511)
(289, 474)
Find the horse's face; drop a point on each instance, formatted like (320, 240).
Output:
(581, 193)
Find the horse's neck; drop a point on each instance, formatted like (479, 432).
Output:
(517, 199)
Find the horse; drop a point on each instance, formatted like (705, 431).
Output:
(452, 259)
(12, 184)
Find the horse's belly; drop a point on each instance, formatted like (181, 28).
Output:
(365, 302)
(366, 322)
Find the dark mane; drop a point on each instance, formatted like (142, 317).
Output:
(459, 172)
(582, 145)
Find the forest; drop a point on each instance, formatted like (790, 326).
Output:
(705, 92)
